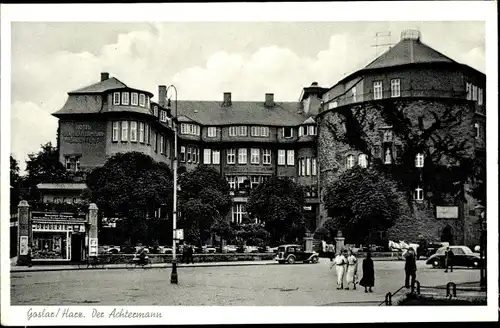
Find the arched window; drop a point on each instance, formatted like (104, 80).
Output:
(388, 156)
(363, 160)
(419, 194)
(350, 161)
(419, 160)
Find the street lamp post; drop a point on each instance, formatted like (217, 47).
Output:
(173, 276)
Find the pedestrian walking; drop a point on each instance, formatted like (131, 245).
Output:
(368, 280)
(449, 259)
(189, 255)
(339, 263)
(410, 269)
(351, 270)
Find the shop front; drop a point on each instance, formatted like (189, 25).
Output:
(58, 237)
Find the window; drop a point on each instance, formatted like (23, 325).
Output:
(255, 156)
(314, 170)
(188, 155)
(419, 194)
(125, 98)
(388, 136)
(238, 212)
(72, 162)
(377, 90)
(419, 160)
(115, 130)
(183, 154)
(155, 141)
(155, 111)
(124, 130)
(287, 132)
(215, 156)
(264, 131)
(231, 156)
(395, 88)
(231, 179)
(147, 134)
(116, 98)
(474, 93)
(163, 116)
(206, 156)
(476, 129)
(301, 131)
(242, 156)
(266, 156)
(68, 163)
(142, 100)
(241, 182)
(350, 161)
(333, 104)
(141, 132)
(353, 90)
(242, 131)
(468, 90)
(134, 99)
(255, 131)
(290, 157)
(192, 129)
(147, 102)
(196, 155)
(302, 167)
(308, 166)
(254, 181)
(162, 143)
(232, 131)
(312, 130)
(133, 131)
(479, 96)
(363, 160)
(388, 156)
(212, 131)
(281, 157)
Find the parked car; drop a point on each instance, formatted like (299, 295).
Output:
(208, 249)
(113, 249)
(251, 249)
(462, 256)
(229, 249)
(292, 253)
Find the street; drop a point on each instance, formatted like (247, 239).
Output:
(261, 285)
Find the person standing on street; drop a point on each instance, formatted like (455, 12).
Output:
(339, 263)
(29, 256)
(368, 280)
(189, 255)
(351, 270)
(410, 269)
(449, 259)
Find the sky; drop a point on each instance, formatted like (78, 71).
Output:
(202, 59)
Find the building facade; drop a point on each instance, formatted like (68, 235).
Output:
(249, 141)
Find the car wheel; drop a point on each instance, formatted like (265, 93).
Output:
(291, 260)
(435, 264)
(314, 260)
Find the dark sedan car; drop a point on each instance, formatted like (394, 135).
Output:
(293, 253)
(462, 256)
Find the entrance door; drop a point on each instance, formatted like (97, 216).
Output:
(447, 234)
(77, 241)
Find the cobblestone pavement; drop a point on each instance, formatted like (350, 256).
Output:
(264, 285)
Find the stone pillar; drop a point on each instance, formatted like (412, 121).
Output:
(308, 242)
(339, 242)
(24, 232)
(93, 243)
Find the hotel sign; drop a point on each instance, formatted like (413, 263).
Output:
(447, 212)
(58, 216)
(83, 133)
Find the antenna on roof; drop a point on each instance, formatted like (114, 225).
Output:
(382, 35)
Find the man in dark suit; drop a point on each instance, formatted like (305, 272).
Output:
(449, 259)
(410, 269)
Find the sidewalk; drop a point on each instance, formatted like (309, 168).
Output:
(62, 267)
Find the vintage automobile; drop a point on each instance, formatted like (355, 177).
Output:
(292, 253)
(462, 256)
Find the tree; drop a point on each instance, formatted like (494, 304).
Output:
(361, 202)
(43, 167)
(131, 186)
(14, 184)
(203, 197)
(279, 203)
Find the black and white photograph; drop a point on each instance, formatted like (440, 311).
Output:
(249, 163)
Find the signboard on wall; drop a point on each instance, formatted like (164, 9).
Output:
(58, 216)
(179, 234)
(83, 133)
(93, 247)
(23, 245)
(447, 212)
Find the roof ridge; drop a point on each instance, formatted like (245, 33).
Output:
(93, 85)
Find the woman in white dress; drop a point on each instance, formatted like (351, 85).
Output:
(352, 269)
(339, 263)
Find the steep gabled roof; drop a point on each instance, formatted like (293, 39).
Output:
(310, 120)
(241, 112)
(101, 86)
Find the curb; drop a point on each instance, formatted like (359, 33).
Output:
(167, 266)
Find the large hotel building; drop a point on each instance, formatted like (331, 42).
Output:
(249, 141)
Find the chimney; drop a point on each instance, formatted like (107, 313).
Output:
(227, 99)
(104, 76)
(162, 94)
(269, 100)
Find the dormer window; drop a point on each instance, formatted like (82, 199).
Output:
(377, 90)
(192, 129)
(163, 116)
(134, 101)
(125, 100)
(142, 100)
(264, 131)
(116, 98)
(311, 130)
(155, 111)
(419, 160)
(288, 132)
